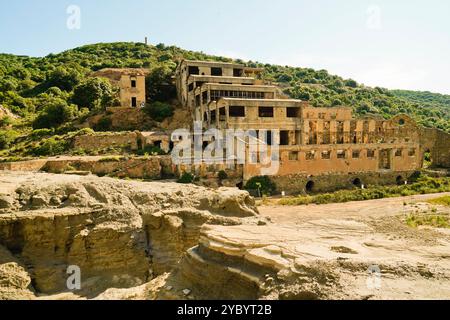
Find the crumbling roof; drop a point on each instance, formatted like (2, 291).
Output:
(116, 73)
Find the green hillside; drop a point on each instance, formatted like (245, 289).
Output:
(55, 91)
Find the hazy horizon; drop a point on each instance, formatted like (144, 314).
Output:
(401, 45)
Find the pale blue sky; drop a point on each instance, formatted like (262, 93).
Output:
(390, 43)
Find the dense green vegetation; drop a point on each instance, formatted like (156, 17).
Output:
(56, 92)
(262, 185)
(423, 185)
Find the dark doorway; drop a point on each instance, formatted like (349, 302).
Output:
(240, 185)
(134, 102)
(309, 186)
(399, 180)
(357, 182)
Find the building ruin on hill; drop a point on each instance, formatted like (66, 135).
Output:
(320, 148)
(129, 81)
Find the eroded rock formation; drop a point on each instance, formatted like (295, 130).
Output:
(120, 233)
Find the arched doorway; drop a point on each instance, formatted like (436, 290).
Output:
(357, 182)
(309, 186)
(399, 180)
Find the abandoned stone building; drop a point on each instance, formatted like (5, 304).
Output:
(130, 82)
(320, 148)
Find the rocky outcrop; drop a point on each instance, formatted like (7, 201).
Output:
(119, 233)
(15, 282)
(321, 259)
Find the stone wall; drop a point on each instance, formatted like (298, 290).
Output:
(106, 140)
(297, 184)
(155, 168)
(438, 143)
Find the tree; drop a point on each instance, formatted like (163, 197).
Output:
(64, 79)
(159, 110)
(159, 86)
(54, 114)
(94, 93)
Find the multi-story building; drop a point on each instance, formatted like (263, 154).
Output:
(131, 84)
(319, 148)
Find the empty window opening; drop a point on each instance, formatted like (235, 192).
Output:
(213, 115)
(310, 155)
(293, 156)
(266, 112)
(341, 154)
(205, 116)
(370, 153)
(398, 152)
(133, 83)
(355, 154)
(284, 138)
(236, 111)
(292, 112)
(412, 152)
(191, 87)
(216, 72)
(309, 186)
(326, 155)
(385, 159)
(205, 97)
(134, 102)
(401, 122)
(194, 70)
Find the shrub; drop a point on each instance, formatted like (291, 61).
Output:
(159, 110)
(39, 133)
(151, 150)
(263, 184)
(54, 115)
(50, 147)
(186, 178)
(104, 124)
(6, 138)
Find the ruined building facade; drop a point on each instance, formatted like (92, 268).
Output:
(129, 81)
(319, 148)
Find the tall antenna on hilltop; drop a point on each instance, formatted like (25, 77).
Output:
(146, 41)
